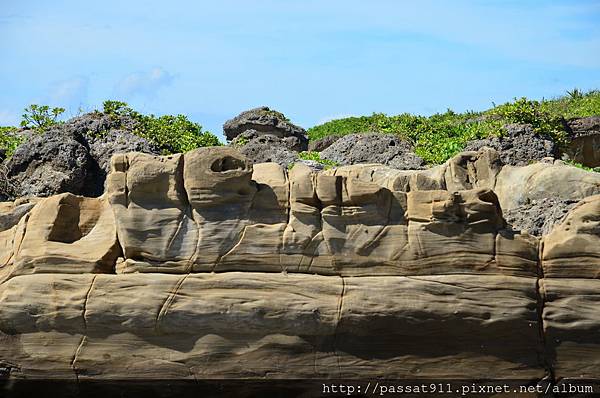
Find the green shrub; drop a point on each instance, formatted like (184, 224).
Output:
(9, 141)
(349, 125)
(40, 117)
(173, 134)
(438, 137)
(575, 104)
(580, 166)
(316, 156)
(535, 113)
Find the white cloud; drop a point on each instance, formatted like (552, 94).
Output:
(143, 84)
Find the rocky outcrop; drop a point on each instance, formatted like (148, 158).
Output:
(584, 145)
(53, 162)
(519, 146)
(263, 120)
(539, 217)
(267, 148)
(384, 149)
(264, 135)
(323, 143)
(202, 265)
(72, 157)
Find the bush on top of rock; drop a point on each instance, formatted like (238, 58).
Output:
(49, 157)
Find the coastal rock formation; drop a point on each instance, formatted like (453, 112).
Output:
(584, 145)
(519, 146)
(71, 157)
(202, 265)
(259, 121)
(384, 149)
(46, 164)
(266, 148)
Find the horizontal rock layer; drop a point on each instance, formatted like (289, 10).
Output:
(273, 325)
(202, 266)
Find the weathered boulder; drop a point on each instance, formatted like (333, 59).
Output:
(584, 145)
(72, 157)
(53, 162)
(268, 148)
(519, 146)
(539, 216)
(323, 143)
(384, 149)
(517, 186)
(265, 121)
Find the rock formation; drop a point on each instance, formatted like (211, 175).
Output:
(265, 135)
(201, 265)
(519, 146)
(584, 146)
(384, 149)
(71, 157)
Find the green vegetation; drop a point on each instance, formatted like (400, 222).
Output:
(9, 141)
(173, 134)
(316, 156)
(438, 137)
(580, 166)
(241, 141)
(40, 117)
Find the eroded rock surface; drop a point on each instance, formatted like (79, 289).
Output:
(584, 145)
(373, 148)
(71, 157)
(203, 265)
(519, 146)
(263, 120)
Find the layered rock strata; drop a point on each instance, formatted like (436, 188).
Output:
(201, 266)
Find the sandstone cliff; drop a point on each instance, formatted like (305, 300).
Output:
(200, 265)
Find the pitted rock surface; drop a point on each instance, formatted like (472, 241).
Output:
(385, 149)
(265, 121)
(519, 146)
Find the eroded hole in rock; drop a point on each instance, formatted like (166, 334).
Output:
(227, 163)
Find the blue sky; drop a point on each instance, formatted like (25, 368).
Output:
(312, 60)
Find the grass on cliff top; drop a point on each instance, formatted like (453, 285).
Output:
(438, 137)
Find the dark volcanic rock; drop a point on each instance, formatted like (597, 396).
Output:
(102, 148)
(291, 142)
(519, 147)
(538, 217)
(53, 162)
(583, 126)
(323, 143)
(373, 148)
(265, 121)
(268, 148)
(72, 157)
